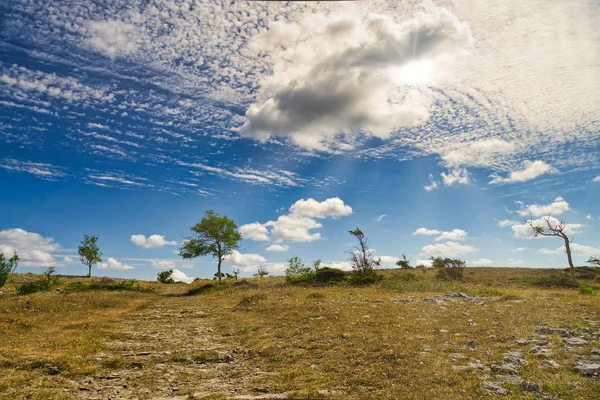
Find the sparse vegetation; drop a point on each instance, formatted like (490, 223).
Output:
(403, 263)
(363, 261)
(41, 285)
(261, 272)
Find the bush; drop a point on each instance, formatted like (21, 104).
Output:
(108, 284)
(330, 275)
(7, 267)
(403, 263)
(555, 279)
(365, 278)
(165, 277)
(34, 287)
(585, 289)
(297, 272)
(449, 268)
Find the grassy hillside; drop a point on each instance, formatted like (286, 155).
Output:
(500, 332)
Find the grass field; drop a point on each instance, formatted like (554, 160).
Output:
(410, 336)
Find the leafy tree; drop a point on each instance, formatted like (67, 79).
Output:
(296, 268)
(214, 235)
(594, 260)
(219, 275)
(555, 229)
(404, 263)
(261, 271)
(7, 267)
(165, 276)
(89, 253)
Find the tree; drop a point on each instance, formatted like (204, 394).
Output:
(361, 257)
(557, 229)
(404, 263)
(48, 272)
(235, 273)
(449, 268)
(594, 260)
(214, 235)
(89, 253)
(165, 277)
(7, 267)
(219, 275)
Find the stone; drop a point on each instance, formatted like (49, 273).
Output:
(470, 322)
(494, 387)
(549, 364)
(52, 370)
(550, 331)
(505, 369)
(515, 357)
(456, 356)
(511, 379)
(596, 352)
(588, 368)
(529, 386)
(576, 341)
(541, 351)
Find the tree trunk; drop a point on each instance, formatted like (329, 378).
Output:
(89, 270)
(569, 258)
(219, 265)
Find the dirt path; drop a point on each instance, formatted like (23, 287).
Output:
(169, 351)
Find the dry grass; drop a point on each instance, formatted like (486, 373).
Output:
(380, 342)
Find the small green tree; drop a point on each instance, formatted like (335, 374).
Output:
(403, 263)
(89, 252)
(449, 268)
(165, 277)
(7, 267)
(48, 272)
(261, 271)
(214, 235)
(363, 261)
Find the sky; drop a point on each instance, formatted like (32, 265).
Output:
(438, 128)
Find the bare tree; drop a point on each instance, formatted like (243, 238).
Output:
(361, 256)
(555, 229)
(594, 260)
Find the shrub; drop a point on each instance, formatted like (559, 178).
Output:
(449, 268)
(361, 279)
(261, 272)
(108, 284)
(330, 275)
(165, 277)
(297, 272)
(585, 289)
(555, 279)
(403, 263)
(34, 287)
(7, 267)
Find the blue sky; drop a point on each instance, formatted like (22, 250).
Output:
(436, 128)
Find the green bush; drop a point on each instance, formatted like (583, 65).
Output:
(330, 275)
(449, 268)
(585, 289)
(34, 287)
(357, 278)
(555, 279)
(108, 284)
(7, 267)
(297, 272)
(165, 277)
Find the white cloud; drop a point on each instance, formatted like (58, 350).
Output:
(557, 207)
(380, 217)
(388, 259)
(482, 262)
(254, 231)
(576, 249)
(112, 38)
(333, 207)
(596, 179)
(162, 264)
(478, 153)
(448, 249)
(294, 228)
(112, 263)
(151, 241)
(179, 276)
(524, 231)
(458, 176)
(278, 247)
(67, 260)
(34, 249)
(346, 73)
(589, 216)
(530, 171)
(343, 265)
(425, 231)
(237, 258)
(453, 235)
(427, 262)
(507, 222)
(432, 184)
(40, 170)
(520, 249)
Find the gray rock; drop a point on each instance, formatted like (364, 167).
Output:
(505, 369)
(494, 387)
(549, 364)
(576, 341)
(470, 322)
(52, 370)
(541, 351)
(588, 368)
(510, 379)
(596, 352)
(550, 331)
(515, 357)
(529, 386)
